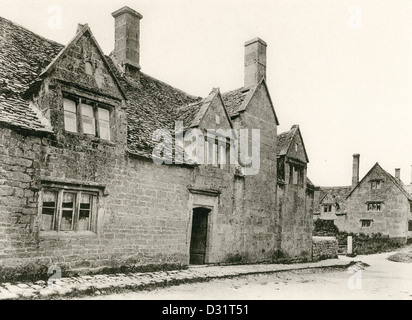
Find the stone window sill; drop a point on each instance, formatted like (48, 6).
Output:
(91, 138)
(66, 234)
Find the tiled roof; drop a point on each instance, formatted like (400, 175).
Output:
(188, 113)
(23, 55)
(309, 183)
(284, 140)
(233, 100)
(400, 185)
(152, 104)
(331, 195)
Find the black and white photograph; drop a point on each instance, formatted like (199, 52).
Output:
(189, 150)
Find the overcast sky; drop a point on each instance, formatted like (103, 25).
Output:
(340, 69)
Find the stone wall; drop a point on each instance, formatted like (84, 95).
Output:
(324, 248)
(142, 217)
(257, 208)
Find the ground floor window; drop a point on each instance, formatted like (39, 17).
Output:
(366, 223)
(68, 210)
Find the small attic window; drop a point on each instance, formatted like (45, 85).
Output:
(217, 119)
(88, 68)
(327, 208)
(296, 147)
(376, 184)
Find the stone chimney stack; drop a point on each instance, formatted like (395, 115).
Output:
(398, 174)
(355, 170)
(127, 40)
(255, 61)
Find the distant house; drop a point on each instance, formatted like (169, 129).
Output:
(379, 203)
(295, 194)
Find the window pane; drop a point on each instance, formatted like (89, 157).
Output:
(104, 114)
(104, 130)
(89, 124)
(70, 117)
(222, 156)
(85, 212)
(295, 176)
(67, 212)
(48, 211)
(87, 110)
(104, 123)
(215, 155)
(206, 153)
(69, 105)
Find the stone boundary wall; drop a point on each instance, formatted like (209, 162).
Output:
(324, 248)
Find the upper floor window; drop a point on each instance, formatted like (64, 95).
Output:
(375, 206)
(85, 116)
(376, 184)
(216, 153)
(410, 225)
(296, 175)
(68, 210)
(327, 208)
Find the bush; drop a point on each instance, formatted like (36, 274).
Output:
(369, 244)
(325, 228)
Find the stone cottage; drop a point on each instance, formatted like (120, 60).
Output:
(78, 184)
(379, 203)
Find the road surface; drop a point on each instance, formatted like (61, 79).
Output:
(382, 279)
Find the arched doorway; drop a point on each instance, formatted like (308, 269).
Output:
(198, 242)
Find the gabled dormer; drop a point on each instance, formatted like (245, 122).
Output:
(210, 121)
(292, 157)
(80, 95)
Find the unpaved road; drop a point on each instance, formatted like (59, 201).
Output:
(383, 279)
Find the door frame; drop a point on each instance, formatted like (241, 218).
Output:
(207, 231)
(206, 201)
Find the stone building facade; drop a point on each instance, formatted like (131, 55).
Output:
(78, 185)
(379, 203)
(295, 195)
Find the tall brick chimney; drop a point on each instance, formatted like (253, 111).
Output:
(127, 39)
(355, 170)
(255, 61)
(398, 174)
